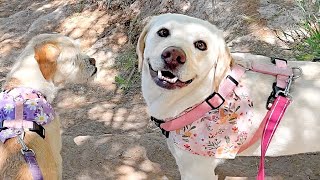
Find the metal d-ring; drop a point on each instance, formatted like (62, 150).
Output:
(296, 76)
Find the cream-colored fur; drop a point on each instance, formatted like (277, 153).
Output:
(297, 133)
(47, 63)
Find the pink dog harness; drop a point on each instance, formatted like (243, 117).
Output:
(220, 132)
(229, 109)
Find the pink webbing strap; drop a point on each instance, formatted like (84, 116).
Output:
(281, 83)
(281, 79)
(18, 122)
(213, 101)
(272, 119)
(271, 69)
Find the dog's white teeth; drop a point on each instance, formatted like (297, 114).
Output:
(171, 80)
(159, 75)
(174, 80)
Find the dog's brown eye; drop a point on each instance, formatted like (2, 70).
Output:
(163, 32)
(200, 45)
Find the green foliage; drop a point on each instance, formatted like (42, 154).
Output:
(128, 74)
(309, 47)
(80, 5)
(120, 81)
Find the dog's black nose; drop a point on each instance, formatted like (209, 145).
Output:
(173, 57)
(92, 61)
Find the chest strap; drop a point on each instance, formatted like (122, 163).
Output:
(19, 123)
(214, 101)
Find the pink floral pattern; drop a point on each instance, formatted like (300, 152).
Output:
(220, 132)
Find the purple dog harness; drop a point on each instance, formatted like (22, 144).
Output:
(24, 109)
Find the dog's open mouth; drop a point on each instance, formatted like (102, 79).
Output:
(167, 79)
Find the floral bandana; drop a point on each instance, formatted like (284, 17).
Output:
(34, 109)
(220, 132)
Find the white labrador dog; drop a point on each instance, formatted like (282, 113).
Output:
(48, 62)
(198, 61)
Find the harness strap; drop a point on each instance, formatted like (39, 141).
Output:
(214, 101)
(30, 158)
(18, 115)
(272, 119)
(279, 85)
(19, 123)
(271, 69)
(30, 125)
(281, 79)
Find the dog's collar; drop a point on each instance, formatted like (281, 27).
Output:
(214, 101)
(23, 109)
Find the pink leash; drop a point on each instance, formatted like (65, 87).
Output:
(278, 108)
(272, 118)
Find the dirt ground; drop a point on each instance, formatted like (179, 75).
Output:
(106, 130)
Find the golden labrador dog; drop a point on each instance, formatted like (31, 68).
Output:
(184, 60)
(48, 62)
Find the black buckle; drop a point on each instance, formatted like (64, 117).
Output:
(1, 126)
(273, 94)
(158, 123)
(273, 60)
(211, 96)
(38, 129)
(233, 80)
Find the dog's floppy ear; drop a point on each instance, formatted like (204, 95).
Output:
(141, 43)
(224, 63)
(47, 55)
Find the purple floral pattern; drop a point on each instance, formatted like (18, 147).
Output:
(34, 109)
(220, 132)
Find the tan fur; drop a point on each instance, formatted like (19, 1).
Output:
(223, 65)
(47, 154)
(46, 55)
(141, 44)
(47, 61)
(12, 83)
